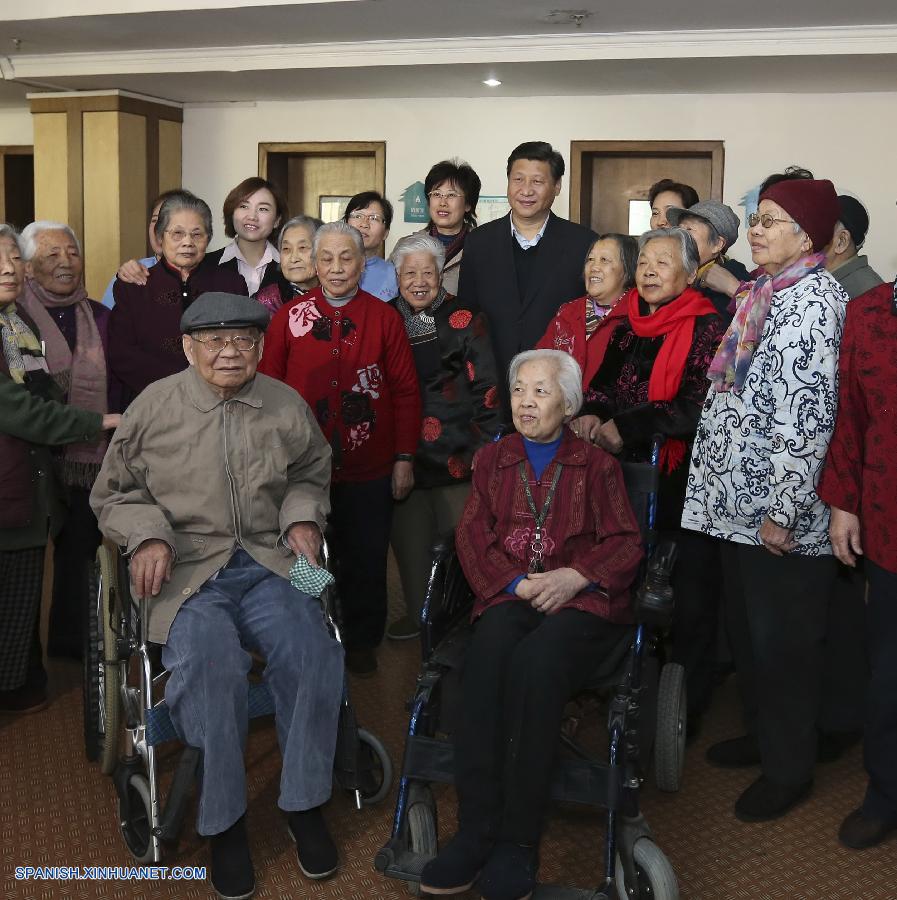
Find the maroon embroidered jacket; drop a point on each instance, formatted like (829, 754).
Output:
(860, 474)
(590, 525)
(354, 368)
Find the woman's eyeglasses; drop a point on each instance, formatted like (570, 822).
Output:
(766, 220)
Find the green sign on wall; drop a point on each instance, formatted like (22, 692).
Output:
(415, 200)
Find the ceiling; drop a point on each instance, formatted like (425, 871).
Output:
(221, 51)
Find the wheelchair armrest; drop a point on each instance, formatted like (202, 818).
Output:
(653, 600)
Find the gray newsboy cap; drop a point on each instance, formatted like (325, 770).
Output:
(720, 216)
(216, 309)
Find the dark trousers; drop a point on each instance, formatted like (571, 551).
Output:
(776, 612)
(880, 739)
(358, 532)
(21, 578)
(846, 673)
(697, 587)
(74, 550)
(520, 669)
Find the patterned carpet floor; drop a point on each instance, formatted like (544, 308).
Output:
(56, 809)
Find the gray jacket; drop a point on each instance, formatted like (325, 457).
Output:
(206, 475)
(856, 276)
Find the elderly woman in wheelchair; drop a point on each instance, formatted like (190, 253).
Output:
(550, 547)
(215, 483)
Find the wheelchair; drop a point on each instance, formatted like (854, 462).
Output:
(123, 702)
(646, 712)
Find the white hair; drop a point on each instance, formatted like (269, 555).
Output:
(418, 243)
(688, 249)
(7, 231)
(28, 238)
(569, 375)
(299, 222)
(337, 228)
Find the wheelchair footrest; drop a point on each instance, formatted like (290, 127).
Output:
(406, 866)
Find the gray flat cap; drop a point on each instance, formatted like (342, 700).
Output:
(216, 309)
(720, 216)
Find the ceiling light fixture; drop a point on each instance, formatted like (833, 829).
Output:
(491, 82)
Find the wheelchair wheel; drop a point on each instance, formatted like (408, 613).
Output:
(656, 878)
(374, 767)
(421, 824)
(135, 819)
(101, 680)
(669, 742)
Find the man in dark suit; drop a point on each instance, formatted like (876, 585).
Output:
(519, 269)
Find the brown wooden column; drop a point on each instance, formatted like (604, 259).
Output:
(100, 157)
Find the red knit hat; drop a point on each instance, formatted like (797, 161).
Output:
(812, 203)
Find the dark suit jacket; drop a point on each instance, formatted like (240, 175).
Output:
(489, 281)
(272, 270)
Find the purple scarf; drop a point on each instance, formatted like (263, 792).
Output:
(81, 375)
(736, 350)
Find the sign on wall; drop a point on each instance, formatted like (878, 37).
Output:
(415, 200)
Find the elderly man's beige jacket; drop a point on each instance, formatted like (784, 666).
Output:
(206, 475)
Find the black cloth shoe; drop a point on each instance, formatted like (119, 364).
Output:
(23, 700)
(456, 867)
(362, 663)
(861, 830)
(765, 800)
(735, 753)
(834, 744)
(510, 873)
(231, 872)
(315, 849)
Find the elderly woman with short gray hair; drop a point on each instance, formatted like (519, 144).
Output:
(457, 375)
(297, 265)
(550, 546)
(144, 328)
(653, 381)
(346, 353)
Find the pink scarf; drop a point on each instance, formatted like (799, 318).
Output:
(81, 375)
(736, 350)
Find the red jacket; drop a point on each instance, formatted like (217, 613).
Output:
(590, 525)
(354, 368)
(567, 332)
(860, 474)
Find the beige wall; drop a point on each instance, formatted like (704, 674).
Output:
(762, 133)
(15, 125)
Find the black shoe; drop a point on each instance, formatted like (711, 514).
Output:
(23, 700)
(834, 744)
(362, 663)
(457, 865)
(315, 849)
(861, 830)
(765, 800)
(510, 873)
(735, 753)
(231, 872)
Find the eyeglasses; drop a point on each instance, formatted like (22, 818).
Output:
(440, 195)
(766, 220)
(216, 344)
(178, 235)
(365, 217)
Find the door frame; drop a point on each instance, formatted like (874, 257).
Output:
(377, 149)
(579, 150)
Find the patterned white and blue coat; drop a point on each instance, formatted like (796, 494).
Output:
(759, 452)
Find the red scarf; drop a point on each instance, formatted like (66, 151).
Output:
(675, 321)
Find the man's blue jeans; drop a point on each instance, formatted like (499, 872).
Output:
(247, 607)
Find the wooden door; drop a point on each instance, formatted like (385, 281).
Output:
(609, 179)
(17, 186)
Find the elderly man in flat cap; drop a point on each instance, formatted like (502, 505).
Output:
(215, 482)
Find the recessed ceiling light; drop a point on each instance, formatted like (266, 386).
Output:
(491, 82)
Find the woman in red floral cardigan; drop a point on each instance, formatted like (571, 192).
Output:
(550, 546)
(347, 354)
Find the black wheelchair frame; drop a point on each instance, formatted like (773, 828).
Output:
(641, 693)
(119, 700)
